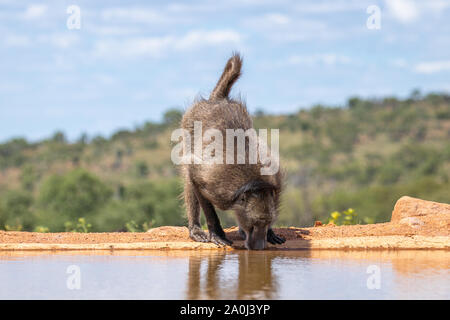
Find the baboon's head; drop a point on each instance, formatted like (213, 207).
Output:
(256, 208)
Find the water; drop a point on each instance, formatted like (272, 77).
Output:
(225, 275)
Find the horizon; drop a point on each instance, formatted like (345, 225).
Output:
(128, 64)
(139, 125)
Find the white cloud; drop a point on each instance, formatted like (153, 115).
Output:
(59, 40)
(201, 38)
(191, 7)
(322, 7)
(9, 87)
(328, 59)
(156, 46)
(408, 11)
(432, 66)
(137, 15)
(34, 11)
(112, 30)
(405, 11)
(17, 41)
(104, 79)
(398, 63)
(315, 60)
(286, 28)
(277, 18)
(436, 5)
(148, 46)
(267, 21)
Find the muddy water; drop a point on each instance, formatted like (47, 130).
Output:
(225, 275)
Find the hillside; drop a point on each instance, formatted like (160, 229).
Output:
(363, 156)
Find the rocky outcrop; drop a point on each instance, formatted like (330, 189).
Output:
(415, 224)
(409, 210)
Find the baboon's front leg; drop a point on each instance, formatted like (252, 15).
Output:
(216, 233)
(193, 213)
(273, 238)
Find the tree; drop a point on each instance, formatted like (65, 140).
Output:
(141, 168)
(83, 139)
(172, 117)
(415, 95)
(15, 211)
(28, 177)
(353, 102)
(11, 152)
(59, 137)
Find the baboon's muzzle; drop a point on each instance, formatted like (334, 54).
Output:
(256, 238)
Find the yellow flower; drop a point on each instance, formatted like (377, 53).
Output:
(335, 215)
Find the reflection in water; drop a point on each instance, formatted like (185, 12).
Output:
(177, 274)
(214, 262)
(255, 279)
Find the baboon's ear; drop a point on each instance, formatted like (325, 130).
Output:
(254, 188)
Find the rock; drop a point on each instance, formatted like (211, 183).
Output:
(413, 207)
(169, 232)
(412, 222)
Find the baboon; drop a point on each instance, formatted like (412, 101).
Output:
(239, 187)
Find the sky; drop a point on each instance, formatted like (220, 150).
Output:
(130, 61)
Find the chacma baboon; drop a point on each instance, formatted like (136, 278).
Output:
(240, 187)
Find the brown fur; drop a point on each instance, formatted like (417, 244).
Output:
(240, 187)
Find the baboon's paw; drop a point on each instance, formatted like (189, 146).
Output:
(274, 239)
(242, 234)
(198, 235)
(218, 240)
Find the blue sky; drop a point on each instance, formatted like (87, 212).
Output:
(132, 60)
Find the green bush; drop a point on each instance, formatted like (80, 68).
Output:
(80, 226)
(70, 196)
(12, 152)
(152, 203)
(15, 210)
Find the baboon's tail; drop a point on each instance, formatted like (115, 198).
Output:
(230, 74)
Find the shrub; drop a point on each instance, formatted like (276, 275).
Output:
(69, 196)
(15, 210)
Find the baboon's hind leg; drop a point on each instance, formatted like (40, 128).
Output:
(193, 213)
